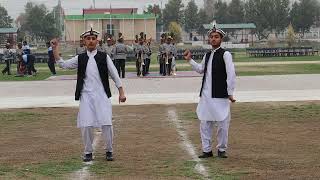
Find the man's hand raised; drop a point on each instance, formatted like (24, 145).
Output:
(54, 44)
(187, 55)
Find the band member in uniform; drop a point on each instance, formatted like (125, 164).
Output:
(169, 50)
(148, 54)
(93, 91)
(162, 55)
(81, 49)
(174, 63)
(120, 52)
(216, 93)
(109, 48)
(100, 47)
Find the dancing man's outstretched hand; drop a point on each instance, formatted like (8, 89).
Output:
(187, 55)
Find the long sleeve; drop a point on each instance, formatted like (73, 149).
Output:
(113, 73)
(231, 74)
(113, 51)
(199, 68)
(68, 64)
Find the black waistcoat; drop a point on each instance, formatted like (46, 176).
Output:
(219, 74)
(100, 58)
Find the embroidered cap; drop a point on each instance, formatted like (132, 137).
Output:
(214, 29)
(89, 33)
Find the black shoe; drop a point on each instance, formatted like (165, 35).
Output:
(109, 156)
(87, 157)
(206, 155)
(222, 154)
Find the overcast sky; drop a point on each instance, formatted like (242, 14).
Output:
(15, 7)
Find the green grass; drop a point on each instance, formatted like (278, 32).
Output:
(56, 169)
(103, 168)
(256, 115)
(43, 73)
(269, 113)
(279, 69)
(53, 169)
(243, 57)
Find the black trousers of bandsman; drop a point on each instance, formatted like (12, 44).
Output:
(121, 67)
(146, 66)
(165, 69)
(138, 67)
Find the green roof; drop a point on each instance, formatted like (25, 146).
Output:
(8, 30)
(231, 26)
(108, 16)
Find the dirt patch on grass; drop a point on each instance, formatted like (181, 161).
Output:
(267, 140)
(36, 135)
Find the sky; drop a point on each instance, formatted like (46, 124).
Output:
(15, 7)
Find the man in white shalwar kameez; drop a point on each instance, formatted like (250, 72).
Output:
(217, 90)
(95, 110)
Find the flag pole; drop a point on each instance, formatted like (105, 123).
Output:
(133, 23)
(110, 21)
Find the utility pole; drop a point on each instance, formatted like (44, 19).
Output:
(161, 18)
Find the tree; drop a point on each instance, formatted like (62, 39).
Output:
(155, 9)
(254, 15)
(191, 16)
(220, 14)
(175, 30)
(58, 16)
(5, 19)
(203, 19)
(235, 12)
(280, 18)
(267, 15)
(173, 12)
(209, 8)
(303, 15)
(291, 37)
(39, 23)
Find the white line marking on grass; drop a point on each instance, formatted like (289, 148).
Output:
(83, 173)
(200, 168)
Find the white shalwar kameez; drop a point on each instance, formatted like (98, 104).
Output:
(95, 109)
(214, 110)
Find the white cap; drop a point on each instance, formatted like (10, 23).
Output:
(90, 32)
(214, 29)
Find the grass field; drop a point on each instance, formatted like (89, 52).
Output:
(243, 57)
(243, 70)
(267, 141)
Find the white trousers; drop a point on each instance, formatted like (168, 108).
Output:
(87, 137)
(206, 130)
